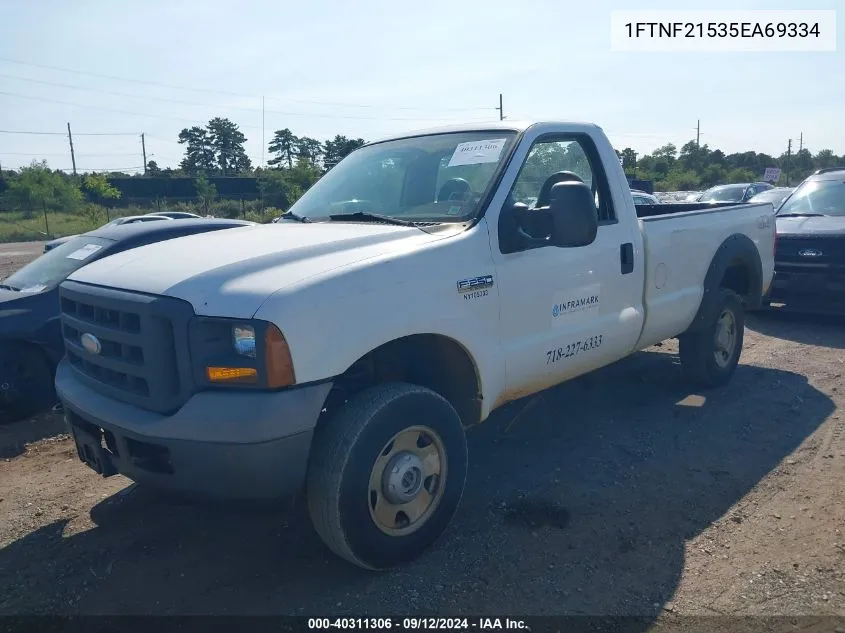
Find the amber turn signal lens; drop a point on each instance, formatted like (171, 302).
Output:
(231, 374)
(277, 356)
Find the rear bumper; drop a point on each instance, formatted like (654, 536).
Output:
(225, 445)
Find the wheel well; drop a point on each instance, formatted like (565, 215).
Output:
(430, 360)
(7, 344)
(737, 278)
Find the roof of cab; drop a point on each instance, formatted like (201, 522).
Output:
(482, 126)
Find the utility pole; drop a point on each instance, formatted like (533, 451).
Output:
(698, 133)
(501, 111)
(801, 142)
(144, 152)
(262, 131)
(72, 155)
(788, 156)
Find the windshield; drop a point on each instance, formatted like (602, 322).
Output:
(724, 194)
(55, 265)
(816, 197)
(772, 195)
(435, 178)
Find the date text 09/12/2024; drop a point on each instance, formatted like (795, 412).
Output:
(418, 624)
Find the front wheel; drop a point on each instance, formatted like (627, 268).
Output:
(387, 474)
(709, 357)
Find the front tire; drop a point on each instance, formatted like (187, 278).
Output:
(709, 357)
(386, 475)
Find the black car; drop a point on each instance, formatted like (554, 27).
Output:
(810, 247)
(30, 330)
(739, 192)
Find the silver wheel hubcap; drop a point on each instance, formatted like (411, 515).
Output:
(725, 338)
(407, 481)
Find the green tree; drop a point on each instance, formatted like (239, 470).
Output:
(99, 188)
(199, 151)
(39, 187)
(629, 158)
(339, 148)
(277, 189)
(824, 159)
(283, 147)
(206, 192)
(667, 152)
(309, 149)
(218, 148)
(228, 142)
(153, 169)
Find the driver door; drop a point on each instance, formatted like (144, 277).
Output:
(565, 311)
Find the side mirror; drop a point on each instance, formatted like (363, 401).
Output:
(574, 219)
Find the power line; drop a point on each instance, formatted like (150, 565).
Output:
(65, 133)
(90, 107)
(225, 93)
(124, 94)
(65, 153)
(194, 121)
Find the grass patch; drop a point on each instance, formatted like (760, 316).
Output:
(20, 226)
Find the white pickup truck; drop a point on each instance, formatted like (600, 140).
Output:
(345, 350)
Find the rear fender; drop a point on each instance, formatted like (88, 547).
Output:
(736, 250)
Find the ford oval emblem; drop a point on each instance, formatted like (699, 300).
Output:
(91, 343)
(810, 252)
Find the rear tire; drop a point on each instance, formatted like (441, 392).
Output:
(709, 357)
(26, 382)
(386, 475)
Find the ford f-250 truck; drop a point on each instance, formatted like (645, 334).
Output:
(345, 350)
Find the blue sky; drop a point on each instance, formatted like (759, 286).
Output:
(372, 68)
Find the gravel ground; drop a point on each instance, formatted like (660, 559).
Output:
(620, 493)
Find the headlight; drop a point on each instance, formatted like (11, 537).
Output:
(243, 339)
(240, 353)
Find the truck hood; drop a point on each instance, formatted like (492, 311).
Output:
(22, 313)
(231, 273)
(827, 225)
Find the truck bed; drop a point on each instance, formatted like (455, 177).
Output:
(680, 241)
(651, 210)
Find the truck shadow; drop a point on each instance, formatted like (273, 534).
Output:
(809, 329)
(578, 501)
(16, 434)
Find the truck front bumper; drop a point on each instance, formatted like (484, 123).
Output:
(220, 444)
(819, 291)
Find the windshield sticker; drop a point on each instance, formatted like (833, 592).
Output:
(476, 152)
(570, 306)
(33, 289)
(85, 252)
(454, 210)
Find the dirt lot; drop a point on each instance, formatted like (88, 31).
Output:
(15, 255)
(619, 493)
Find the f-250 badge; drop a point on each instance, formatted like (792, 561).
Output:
(475, 287)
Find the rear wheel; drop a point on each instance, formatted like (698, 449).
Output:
(387, 474)
(710, 356)
(26, 382)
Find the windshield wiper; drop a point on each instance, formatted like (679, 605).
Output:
(8, 287)
(295, 217)
(800, 215)
(366, 216)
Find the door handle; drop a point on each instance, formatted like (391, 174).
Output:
(626, 255)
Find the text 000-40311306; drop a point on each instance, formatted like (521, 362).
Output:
(723, 31)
